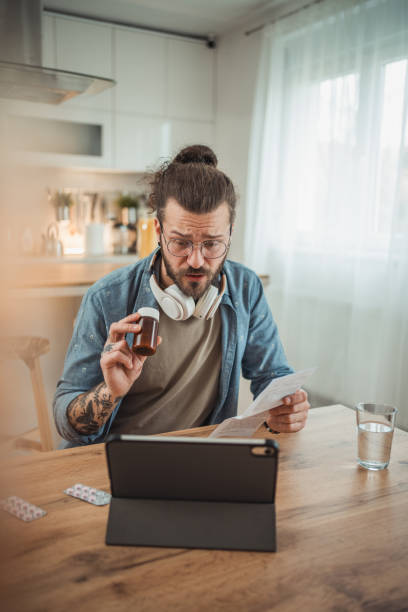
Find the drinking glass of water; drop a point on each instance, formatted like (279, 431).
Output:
(375, 426)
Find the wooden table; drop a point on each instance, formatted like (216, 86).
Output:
(342, 537)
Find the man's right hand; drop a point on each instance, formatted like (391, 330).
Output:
(120, 365)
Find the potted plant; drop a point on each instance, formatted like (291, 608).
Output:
(126, 200)
(62, 201)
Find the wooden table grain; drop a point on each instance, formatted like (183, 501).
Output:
(342, 537)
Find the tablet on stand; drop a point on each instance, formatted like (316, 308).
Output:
(192, 492)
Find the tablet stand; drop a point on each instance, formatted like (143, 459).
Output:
(192, 524)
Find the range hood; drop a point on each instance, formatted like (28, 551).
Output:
(22, 76)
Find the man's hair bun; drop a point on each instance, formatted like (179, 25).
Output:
(197, 154)
(194, 181)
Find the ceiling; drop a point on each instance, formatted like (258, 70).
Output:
(200, 17)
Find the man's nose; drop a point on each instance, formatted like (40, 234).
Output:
(195, 259)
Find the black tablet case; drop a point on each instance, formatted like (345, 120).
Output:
(186, 493)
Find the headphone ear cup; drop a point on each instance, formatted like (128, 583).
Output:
(205, 302)
(208, 303)
(172, 308)
(186, 303)
(172, 301)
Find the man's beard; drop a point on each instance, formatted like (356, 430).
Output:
(190, 288)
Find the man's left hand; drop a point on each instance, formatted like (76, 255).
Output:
(291, 415)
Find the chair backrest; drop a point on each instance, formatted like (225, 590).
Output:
(26, 348)
(29, 349)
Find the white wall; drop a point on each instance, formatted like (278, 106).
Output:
(237, 61)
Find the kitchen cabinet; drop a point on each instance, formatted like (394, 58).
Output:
(83, 47)
(160, 75)
(48, 41)
(140, 72)
(140, 142)
(78, 46)
(95, 124)
(190, 80)
(184, 133)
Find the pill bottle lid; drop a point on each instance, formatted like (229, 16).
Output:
(149, 312)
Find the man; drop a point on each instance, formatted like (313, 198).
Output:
(193, 379)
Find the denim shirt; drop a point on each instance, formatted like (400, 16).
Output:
(249, 340)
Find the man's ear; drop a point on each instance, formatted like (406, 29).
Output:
(157, 229)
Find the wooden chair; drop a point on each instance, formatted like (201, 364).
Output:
(29, 349)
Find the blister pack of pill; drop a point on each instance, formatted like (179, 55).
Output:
(21, 508)
(89, 494)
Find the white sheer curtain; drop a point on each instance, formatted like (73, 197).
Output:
(328, 195)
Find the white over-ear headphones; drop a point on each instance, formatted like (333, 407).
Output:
(179, 306)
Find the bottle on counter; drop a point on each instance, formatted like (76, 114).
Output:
(120, 238)
(129, 219)
(146, 233)
(126, 230)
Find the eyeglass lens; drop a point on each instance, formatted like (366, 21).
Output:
(210, 249)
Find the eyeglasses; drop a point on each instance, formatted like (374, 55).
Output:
(209, 249)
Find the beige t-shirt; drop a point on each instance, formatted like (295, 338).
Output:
(178, 385)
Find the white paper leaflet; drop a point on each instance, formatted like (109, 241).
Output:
(247, 423)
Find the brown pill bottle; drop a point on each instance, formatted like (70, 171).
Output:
(145, 342)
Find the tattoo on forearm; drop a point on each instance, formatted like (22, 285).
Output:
(89, 411)
(107, 348)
